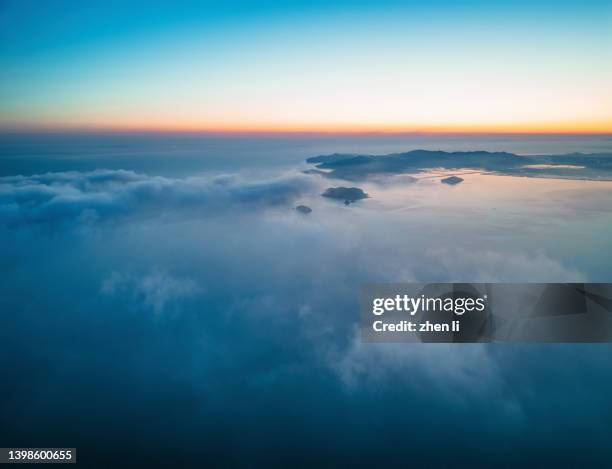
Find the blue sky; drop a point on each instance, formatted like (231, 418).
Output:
(307, 65)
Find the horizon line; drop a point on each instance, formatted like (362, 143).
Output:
(303, 131)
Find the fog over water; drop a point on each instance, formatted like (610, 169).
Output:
(162, 291)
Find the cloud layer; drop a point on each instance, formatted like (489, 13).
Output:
(196, 316)
(57, 197)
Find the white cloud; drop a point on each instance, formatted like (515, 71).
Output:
(156, 290)
(59, 197)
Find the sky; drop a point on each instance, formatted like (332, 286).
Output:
(440, 66)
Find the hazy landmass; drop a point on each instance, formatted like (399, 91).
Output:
(570, 166)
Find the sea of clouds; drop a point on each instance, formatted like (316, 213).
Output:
(203, 318)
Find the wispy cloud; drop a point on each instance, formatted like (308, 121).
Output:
(58, 197)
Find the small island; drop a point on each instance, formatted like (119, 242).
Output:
(452, 180)
(303, 209)
(348, 194)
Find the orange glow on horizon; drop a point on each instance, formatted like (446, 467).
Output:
(569, 128)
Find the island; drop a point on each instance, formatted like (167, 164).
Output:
(348, 194)
(354, 167)
(452, 180)
(303, 209)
